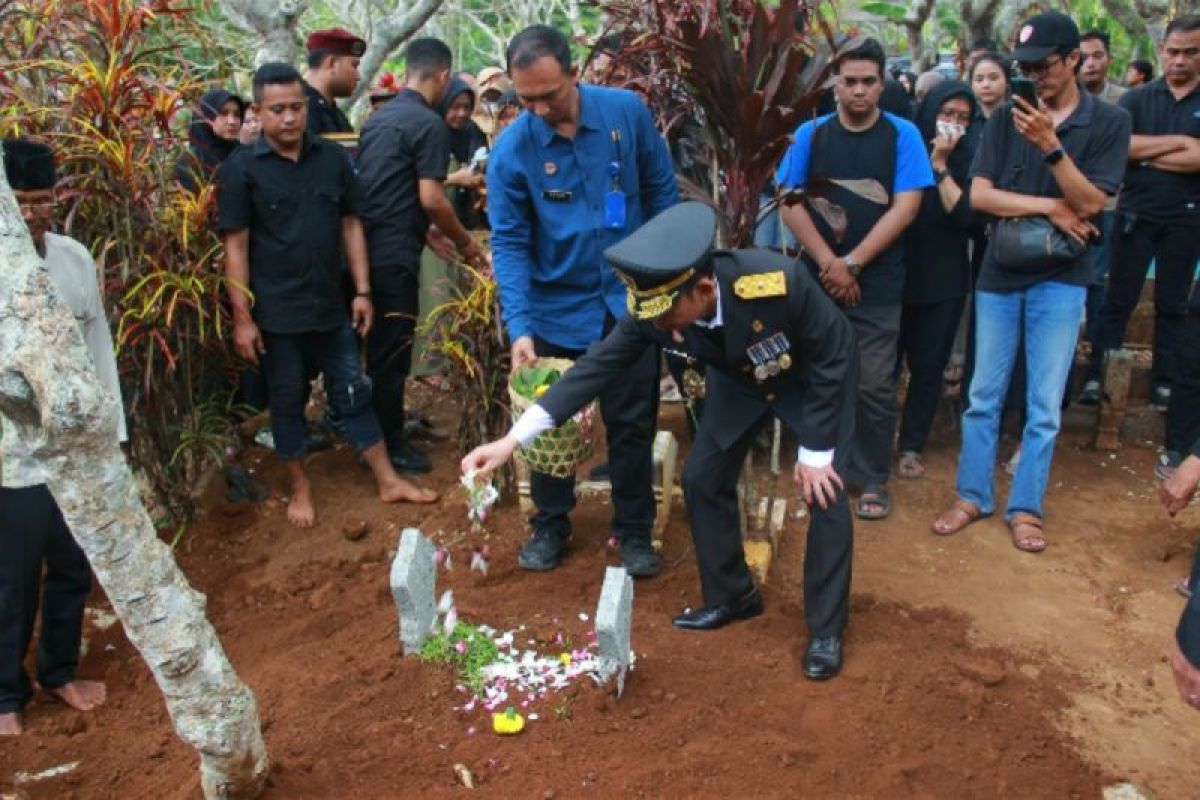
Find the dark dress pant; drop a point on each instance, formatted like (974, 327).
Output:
(877, 330)
(629, 408)
(33, 535)
(1182, 426)
(927, 334)
(389, 351)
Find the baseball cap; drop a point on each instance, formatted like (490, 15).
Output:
(1045, 34)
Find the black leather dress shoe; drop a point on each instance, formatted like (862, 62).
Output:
(823, 658)
(713, 617)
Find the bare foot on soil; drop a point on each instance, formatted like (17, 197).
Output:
(300, 509)
(401, 491)
(10, 724)
(81, 695)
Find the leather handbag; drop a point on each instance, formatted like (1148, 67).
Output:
(1032, 244)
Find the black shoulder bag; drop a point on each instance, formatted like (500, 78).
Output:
(1029, 244)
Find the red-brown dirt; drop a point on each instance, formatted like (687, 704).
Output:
(972, 670)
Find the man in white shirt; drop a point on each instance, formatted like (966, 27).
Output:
(33, 534)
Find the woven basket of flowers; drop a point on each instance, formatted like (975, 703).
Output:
(560, 451)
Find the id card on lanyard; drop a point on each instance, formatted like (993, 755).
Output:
(614, 199)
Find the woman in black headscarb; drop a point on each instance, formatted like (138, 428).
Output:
(212, 137)
(937, 263)
(466, 138)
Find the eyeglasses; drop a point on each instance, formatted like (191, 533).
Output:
(961, 117)
(1039, 67)
(40, 206)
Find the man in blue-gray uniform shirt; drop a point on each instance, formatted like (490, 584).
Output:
(577, 173)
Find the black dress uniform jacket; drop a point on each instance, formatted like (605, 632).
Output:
(814, 396)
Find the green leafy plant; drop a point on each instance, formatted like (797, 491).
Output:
(103, 82)
(532, 382)
(465, 648)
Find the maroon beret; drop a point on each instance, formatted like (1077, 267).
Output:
(338, 41)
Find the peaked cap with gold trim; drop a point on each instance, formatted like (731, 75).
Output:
(656, 260)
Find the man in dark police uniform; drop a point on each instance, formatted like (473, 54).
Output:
(773, 342)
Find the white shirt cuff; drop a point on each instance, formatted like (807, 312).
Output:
(535, 420)
(815, 458)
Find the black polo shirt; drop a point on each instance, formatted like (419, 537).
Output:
(294, 211)
(1095, 136)
(1153, 193)
(402, 143)
(324, 116)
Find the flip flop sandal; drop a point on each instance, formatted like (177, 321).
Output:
(1183, 588)
(910, 465)
(874, 495)
(1028, 542)
(957, 517)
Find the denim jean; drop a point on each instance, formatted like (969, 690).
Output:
(335, 352)
(1049, 314)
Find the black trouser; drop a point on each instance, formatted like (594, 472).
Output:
(33, 533)
(389, 352)
(877, 330)
(1174, 246)
(1182, 427)
(710, 477)
(927, 332)
(630, 411)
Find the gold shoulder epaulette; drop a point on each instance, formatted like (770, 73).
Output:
(764, 284)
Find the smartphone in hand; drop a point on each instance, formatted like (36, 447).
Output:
(1026, 90)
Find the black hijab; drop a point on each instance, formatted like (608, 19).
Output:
(926, 116)
(462, 142)
(207, 149)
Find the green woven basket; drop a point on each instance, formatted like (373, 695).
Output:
(560, 451)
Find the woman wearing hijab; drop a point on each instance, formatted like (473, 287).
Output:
(466, 139)
(938, 264)
(212, 137)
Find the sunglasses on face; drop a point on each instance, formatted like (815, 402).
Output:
(1039, 67)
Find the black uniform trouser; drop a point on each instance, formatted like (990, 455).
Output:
(1182, 427)
(33, 534)
(1174, 247)
(877, 330)
(710, 477)
(927, 333)
(389, 351)
(630, 411)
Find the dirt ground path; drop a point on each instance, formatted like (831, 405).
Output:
(972, 670)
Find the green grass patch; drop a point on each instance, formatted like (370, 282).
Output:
(477, 651)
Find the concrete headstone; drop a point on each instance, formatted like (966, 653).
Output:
(613, 615)
(414, 584)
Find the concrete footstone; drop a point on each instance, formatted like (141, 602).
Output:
(414, 585)
(614, 614)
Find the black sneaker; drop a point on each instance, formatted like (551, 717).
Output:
(1160, 398)
(1090, 396)
(543, 551)
(406, 458)
(640, 559)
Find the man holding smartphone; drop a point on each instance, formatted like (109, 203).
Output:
(1059, 157)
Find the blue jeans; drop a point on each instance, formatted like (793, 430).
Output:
(1049, 313)
(335, 353)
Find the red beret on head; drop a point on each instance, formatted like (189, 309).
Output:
(338, 41)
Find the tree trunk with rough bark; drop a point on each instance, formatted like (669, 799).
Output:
(274, 21)
(391, 29)
(48, 390)
(923, 54)
(979, 20)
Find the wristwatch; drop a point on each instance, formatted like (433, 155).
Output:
(852, 266)
(1054, 156)
(940, 175)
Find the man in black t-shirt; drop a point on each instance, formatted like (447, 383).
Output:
(288, 211)
(1158, 212)
(862, 268)
(403, 155)
(1060, 160)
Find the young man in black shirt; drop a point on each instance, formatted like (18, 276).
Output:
(403, 157)
(1060, 160)
(862, 268)
(1157, 215)
(288, 210)
(333, 57)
